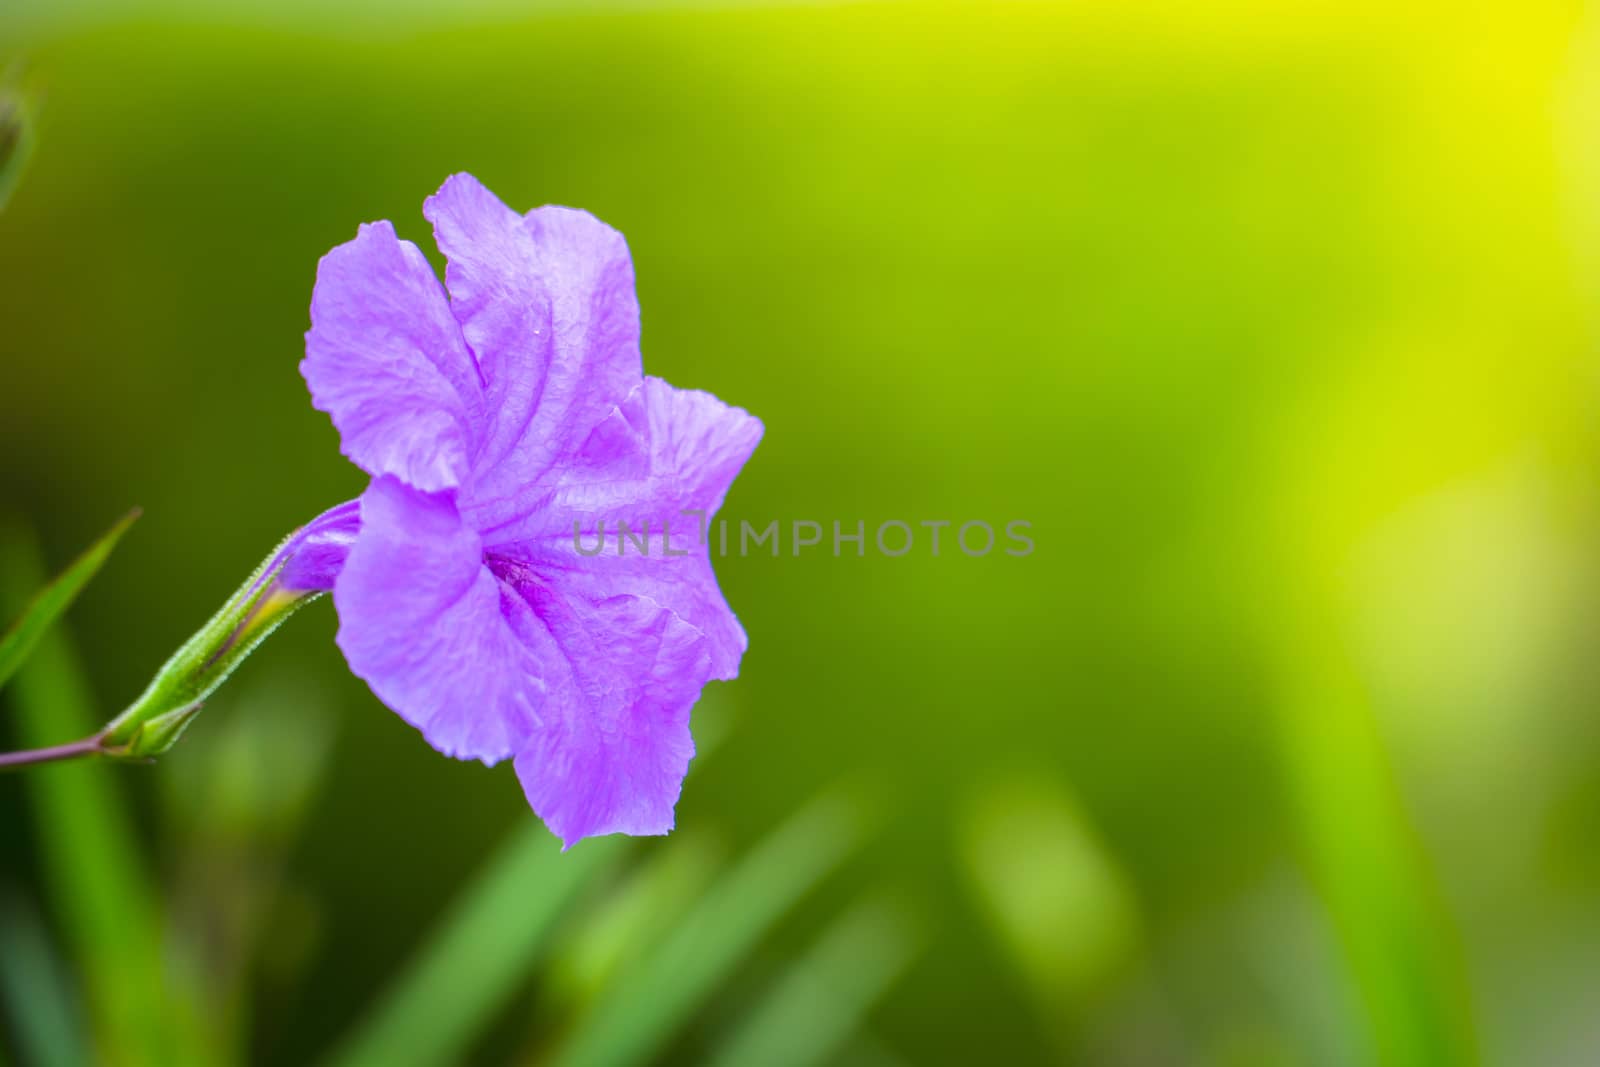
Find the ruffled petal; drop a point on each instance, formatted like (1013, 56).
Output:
(687, 585)
(498, 295)
(421, 620)
(584, 269)
(385, 358)
(698, 444)
(611, 755)
(663, 456)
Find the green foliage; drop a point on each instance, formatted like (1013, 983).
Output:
(635, 1015)
(487, 945)
(823, 997)
(48, 604)
(95, 876)
(495, 936)
(1401, 956)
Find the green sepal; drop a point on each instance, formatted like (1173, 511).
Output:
(154, 736)
(152, 723)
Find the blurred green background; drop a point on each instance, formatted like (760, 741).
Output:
(1278, 326)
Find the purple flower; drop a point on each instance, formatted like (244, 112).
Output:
(501, 424)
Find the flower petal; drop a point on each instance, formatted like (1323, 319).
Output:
(664, 455)
(611, 755)
(498, 296)
(583, 267)
(698, 444)
(421, 621)
(385, 358)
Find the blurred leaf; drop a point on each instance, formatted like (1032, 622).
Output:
(1395, 932)
(1059, 903)
(822, 999)
(48, 604)
(94, 874)
(486, 945)
(635, 916)
(645, 1006)
(37, 994)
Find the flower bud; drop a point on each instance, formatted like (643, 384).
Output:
(301, 569)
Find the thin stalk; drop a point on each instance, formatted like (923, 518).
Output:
(89, 746)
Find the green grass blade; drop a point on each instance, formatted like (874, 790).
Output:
(822, 999)
(644, 1007)
(95, 879)
(37, 995)
(48, 604)
(1398, 942)
(473, 964)
(616, 931)
(489, 942)
(1056, 899)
